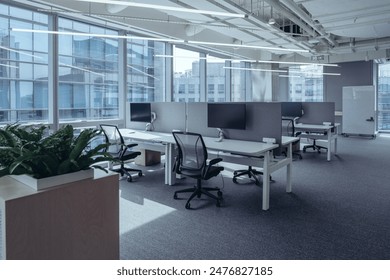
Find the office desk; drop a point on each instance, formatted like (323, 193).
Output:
(236, 151)
(326, 129)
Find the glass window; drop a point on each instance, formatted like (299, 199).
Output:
(23, 66)
(238, 82)
(306, 83)
(384, 97)
(185, 73)
(145, 71)
(215, 79)
(88, 73)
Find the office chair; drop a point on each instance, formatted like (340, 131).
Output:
(120, 151)
(192, 162)
(314, 145)
(289, 130)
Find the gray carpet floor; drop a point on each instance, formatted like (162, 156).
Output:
(337, 210)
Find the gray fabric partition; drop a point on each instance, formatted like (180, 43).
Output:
(170, 116)
(317, 112)
(197, 119)
(263, 120)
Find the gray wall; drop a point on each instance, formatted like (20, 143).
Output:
(359, 73)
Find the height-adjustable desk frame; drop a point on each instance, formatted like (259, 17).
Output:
(251, 153)
(328, 135)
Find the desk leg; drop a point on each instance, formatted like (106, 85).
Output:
(335, 144)
(170, 176)
(266, 182)
(289, 166)
(329, 144)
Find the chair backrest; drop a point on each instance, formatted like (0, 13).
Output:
(288, 128)
(114, 137)
(192, 151)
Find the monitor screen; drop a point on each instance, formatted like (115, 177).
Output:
(292, 109)
(140, 112)
(226, 115)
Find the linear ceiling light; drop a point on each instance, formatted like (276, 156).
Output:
(166, 8)
(9, 66)
(246, 46)
(255, 69)
(20, 52)
(314, 73)
(96, 35)
(298, 63)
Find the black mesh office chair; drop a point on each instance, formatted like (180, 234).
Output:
(120, 151)
(192, 162)
(314, 146)
(288, 129)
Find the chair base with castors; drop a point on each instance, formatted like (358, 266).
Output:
(197, 191)
(314, 146)
(125, 171)
(250, 172)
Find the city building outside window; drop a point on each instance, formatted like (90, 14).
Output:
(23, 66)
(215, 77)
(384, 97)
(306, 83)
(88, 73)
(185, 73)
(145, 72)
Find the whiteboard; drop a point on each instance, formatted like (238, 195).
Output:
(359, 110)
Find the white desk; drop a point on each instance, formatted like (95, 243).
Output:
(236, 151)
(326, 129)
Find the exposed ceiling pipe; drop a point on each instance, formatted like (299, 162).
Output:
(298, 11)
(359, 46)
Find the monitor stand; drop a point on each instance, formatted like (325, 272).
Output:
(221, 135)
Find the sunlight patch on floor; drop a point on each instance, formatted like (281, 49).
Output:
(139, 212)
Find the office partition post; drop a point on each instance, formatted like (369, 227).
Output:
(266, 180)
(289, 156)
(170, 175)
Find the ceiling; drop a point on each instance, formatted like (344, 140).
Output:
(330, 30)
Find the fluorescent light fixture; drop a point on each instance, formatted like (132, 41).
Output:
(96, 35)
(289, 76)
(246, 46)
(248, 60)
(82, 69)
(10, 66)
(315, 73)
(165, 8)
(142, 72)
(297, 63)
(20, 52)
(255, 69)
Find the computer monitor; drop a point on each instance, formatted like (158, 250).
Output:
(140, 112)
(226, 115)
(292, 109)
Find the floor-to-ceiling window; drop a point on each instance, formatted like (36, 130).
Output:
(215, 79)
(384, 97)
(306, 83)
(88, 73)
(186, 79)
(239, 74)
(23, 66)
(145, 71)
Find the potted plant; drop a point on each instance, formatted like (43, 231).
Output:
(32, 151)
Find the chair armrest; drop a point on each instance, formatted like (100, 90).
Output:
(131, 145)
(214, 161)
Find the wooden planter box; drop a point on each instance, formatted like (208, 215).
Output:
(73, 221)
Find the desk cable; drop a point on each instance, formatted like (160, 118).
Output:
(222, 178)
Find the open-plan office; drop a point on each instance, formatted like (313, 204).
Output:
(302, 159)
